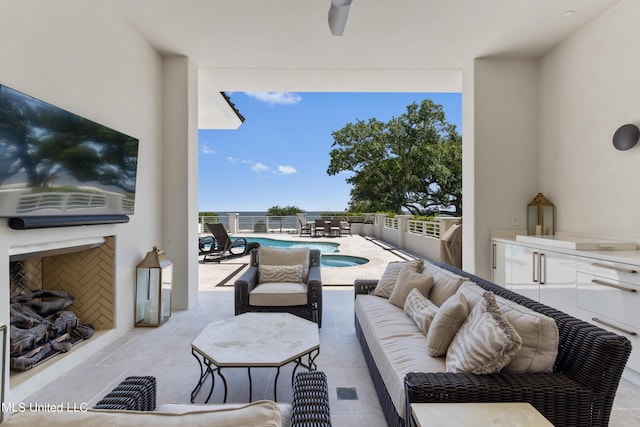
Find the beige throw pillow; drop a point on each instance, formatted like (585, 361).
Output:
(485, 343)
(280, 273)
(408, 279)
(446, 323)
(421, 309)
(390, 276)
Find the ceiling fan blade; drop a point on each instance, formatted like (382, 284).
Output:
(338, 14)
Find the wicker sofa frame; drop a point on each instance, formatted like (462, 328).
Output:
(310, 405)
(249, 280)
(579, 392)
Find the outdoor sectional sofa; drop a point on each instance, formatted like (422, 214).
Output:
(133, 403)
(576, 388)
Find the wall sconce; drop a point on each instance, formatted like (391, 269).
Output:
(626, 137)
(153, 289)
(541, 216)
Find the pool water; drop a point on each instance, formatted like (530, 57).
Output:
(328, 250)
(342, 261)
(325, 247)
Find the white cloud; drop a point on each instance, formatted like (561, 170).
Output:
(208, 150)
(259, 167)
(276, 98)
(286, 170)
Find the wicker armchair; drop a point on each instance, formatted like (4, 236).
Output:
(310, 404)
(248, 282)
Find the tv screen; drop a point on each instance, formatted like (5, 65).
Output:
(56, 163)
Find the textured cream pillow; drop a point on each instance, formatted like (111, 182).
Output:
(485, 343)
(408, 279)
(539, 333)
(421, 309)
(280, 273)
(390, 276)
(279, 256)
(445, 324)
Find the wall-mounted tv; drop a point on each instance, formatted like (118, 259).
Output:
(54, 163)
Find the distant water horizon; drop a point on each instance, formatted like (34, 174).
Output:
(264, 213)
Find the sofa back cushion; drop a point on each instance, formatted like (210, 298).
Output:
(262, 413)
(445, 283)
(278, 256)
(539, 333)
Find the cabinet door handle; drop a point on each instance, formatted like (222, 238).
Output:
(614, 267)
(493, 255)
(535, 266)
(612, 285)
(624, 331)
(543, 269)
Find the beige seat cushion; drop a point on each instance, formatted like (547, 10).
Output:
(181, 408)
(387, 282)
(278, 294)
(262, 413)
(278, 256)
(409, 279)
(397, 345)
(445, 283)
(485, 343)
(539, 333)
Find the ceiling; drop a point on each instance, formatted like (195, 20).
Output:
(404, 45)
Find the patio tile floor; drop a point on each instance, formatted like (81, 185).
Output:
(165, 352)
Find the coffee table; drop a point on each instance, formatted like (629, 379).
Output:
(485, 414)
(254, 340)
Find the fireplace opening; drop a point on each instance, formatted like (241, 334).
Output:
(58, 299)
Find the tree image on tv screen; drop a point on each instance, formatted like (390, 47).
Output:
(54, 148)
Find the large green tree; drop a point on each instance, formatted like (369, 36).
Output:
(411, 163)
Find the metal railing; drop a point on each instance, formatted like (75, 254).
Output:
(424, 228)
(265, 223)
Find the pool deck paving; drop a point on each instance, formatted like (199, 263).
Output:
(213, 273)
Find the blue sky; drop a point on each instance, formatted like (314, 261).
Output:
(280, 154)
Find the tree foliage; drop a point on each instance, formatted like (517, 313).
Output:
(277, 212)
(411, 163)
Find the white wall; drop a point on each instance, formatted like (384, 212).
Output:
(83, 57)
(589, 86)
(498, 150)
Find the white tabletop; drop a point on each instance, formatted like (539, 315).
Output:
(514, 414)
(257, 339)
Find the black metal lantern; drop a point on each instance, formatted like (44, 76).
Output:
(153, 289)
(541, 216)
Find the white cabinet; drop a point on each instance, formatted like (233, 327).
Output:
(500, 270)
(592, 286)
(542, 275)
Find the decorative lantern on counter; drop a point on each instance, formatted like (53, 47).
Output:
(153, 289)
(541, 216)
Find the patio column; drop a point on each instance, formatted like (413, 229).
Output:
(233, 223)
(403, 221)
(379, 226)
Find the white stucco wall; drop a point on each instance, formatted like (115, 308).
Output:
(589, 86)
(83, 57)
(498, 150)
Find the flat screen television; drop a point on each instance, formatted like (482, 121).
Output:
(57, 165)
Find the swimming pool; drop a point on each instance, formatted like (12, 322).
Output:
(328, 250)
(325, 247)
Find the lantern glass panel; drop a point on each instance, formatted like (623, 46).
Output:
(167, 282)
(547, 220)
(533, 220)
